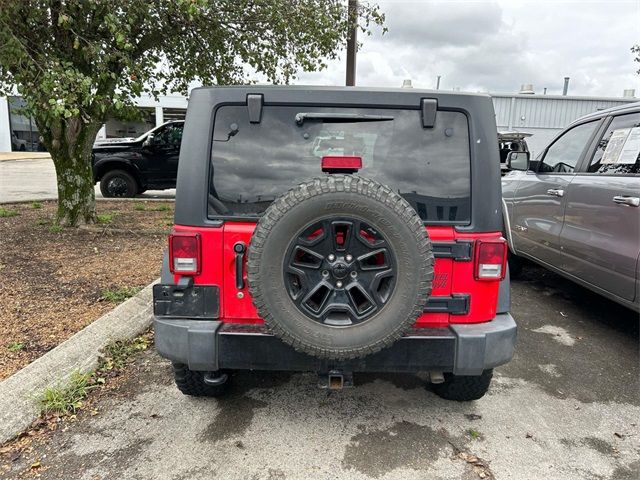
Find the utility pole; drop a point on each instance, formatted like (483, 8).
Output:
(438, 83)
(352, 43)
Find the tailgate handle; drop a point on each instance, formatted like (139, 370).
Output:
(624, 200)
(555, 192)
(239, 249)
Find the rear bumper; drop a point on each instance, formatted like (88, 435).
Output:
(210, 345)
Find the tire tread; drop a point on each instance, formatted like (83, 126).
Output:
(324, 186)
(463, 388)
(191, 383)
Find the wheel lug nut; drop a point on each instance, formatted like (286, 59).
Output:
(339, 284)
(349, 258)
(325, 273)
(331, 257)
(354, 274)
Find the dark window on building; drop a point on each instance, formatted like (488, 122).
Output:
(429, 167)
(24, 132)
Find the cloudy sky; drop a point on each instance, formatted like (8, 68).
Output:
(498, 45)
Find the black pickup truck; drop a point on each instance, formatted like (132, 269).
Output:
(128, 168)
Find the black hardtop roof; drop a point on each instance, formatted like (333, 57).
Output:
(476, 104)
(196, 149)
(325, 88)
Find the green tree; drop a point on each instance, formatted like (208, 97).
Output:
(76, 62)
(636, 49)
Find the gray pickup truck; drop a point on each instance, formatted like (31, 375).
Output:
(575, 209)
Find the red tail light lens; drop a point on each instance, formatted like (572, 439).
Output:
(184, 253)
(490, 259)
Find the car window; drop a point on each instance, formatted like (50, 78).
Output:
(429, 167)
(169, 136)
(563, 155)
(618, 152)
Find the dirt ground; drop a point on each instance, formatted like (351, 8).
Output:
(55, 282)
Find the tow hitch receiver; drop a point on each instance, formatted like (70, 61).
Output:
(335, 380)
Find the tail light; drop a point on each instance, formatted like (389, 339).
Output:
(490, 259)
(184, 253)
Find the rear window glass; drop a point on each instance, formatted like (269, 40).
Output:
(252, 164)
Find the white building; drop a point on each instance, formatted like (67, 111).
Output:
(19, 132)
(541, 115)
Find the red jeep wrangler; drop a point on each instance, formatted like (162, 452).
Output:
(336, 230)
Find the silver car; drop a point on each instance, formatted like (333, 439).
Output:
(575, 209)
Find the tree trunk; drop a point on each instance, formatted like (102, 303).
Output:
(76, 197)
(70, 143)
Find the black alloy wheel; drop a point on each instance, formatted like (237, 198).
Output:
(117, 187)
(339, 271)
(118, 183)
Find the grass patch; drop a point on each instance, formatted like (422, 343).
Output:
(15, 346)
(140, 207)
(474, 434)
(105, 218)
(119, 294)
(5, 212)
(68, 399)
(42, 221)
(55, 228)
(117, 354)
(114, 357)
(36, 205)
(162, 208)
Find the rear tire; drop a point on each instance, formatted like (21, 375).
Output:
(515, 265)
(191, 383)
(463, 388)
(118, 183)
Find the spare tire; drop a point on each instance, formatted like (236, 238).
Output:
(340, 267)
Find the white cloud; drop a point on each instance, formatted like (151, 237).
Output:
(499, 45)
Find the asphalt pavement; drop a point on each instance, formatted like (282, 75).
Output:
(26, 179)
(566, 407)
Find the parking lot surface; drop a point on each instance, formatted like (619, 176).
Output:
(566, 407)
(35, 179)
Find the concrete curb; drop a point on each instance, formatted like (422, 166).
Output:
(19, 156)
(18, 405)
(98, 199)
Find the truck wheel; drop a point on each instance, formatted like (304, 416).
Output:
(192, 383)
(118, 183)
(340, 267)
(463, 388)
(515, 265)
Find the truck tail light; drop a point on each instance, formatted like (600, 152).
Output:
(490, 259)
(185, 253)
